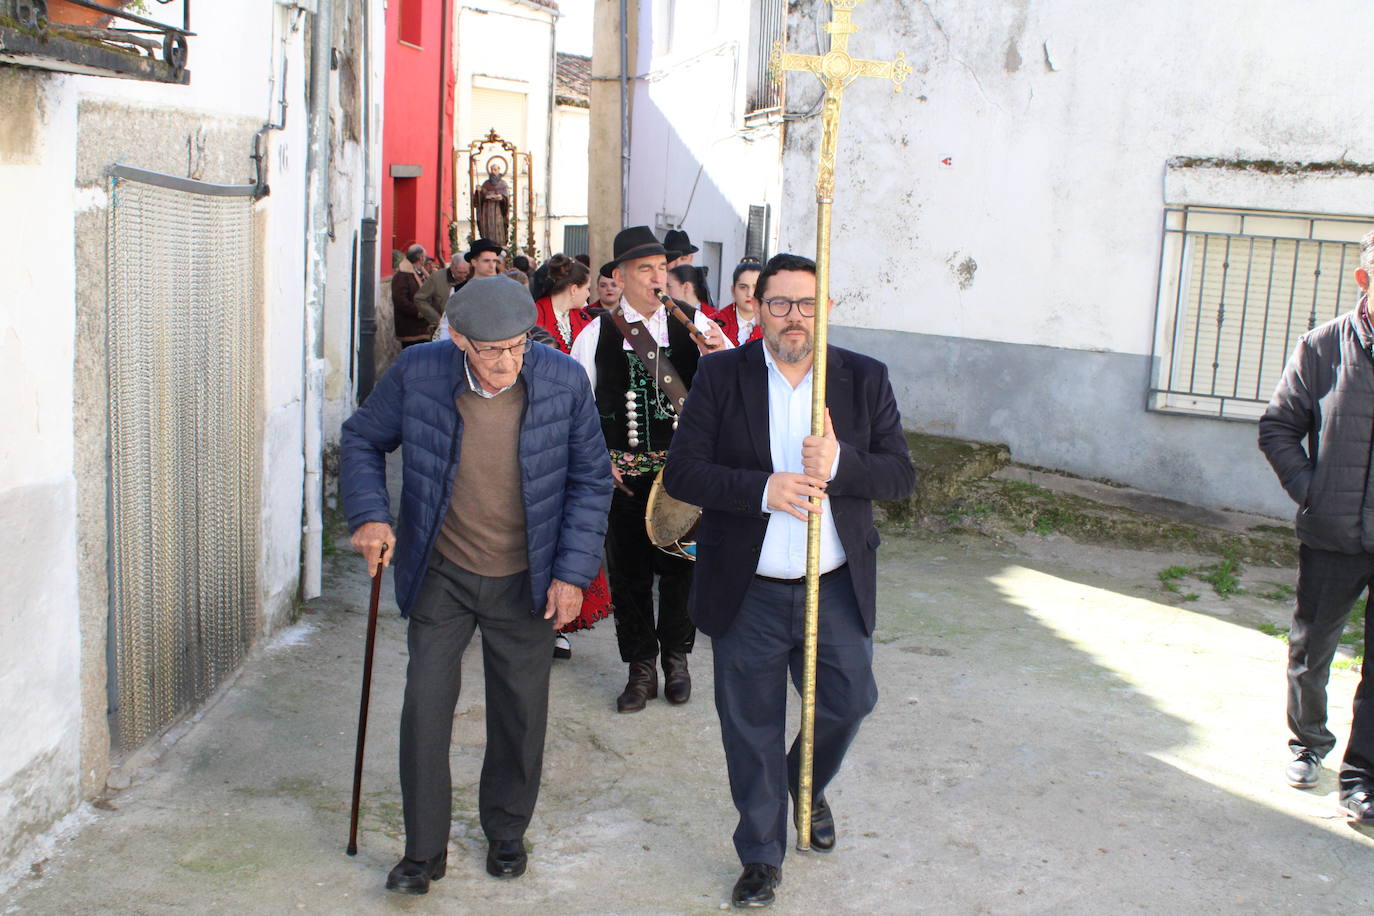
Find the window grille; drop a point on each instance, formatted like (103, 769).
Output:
(1237, 289)
(771, 23)
(575, 240)
(756, 233)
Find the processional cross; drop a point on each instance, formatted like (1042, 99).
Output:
(836, 69)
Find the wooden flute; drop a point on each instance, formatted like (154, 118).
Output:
(676, 311)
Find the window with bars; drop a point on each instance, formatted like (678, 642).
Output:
(770, 26)
(1237, 289)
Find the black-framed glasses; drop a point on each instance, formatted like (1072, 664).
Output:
(514, 349)
(779, 307)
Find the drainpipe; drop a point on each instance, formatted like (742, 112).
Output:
(624, 114)
(548, 136)
(367, 238)
(445, 156)
(317, 227)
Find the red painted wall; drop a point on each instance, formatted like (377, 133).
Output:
(415, 131)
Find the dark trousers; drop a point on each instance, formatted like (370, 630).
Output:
(1328, 584)
(752, 661)
(517, 653)
(631, 564)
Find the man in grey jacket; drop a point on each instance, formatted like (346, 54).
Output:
(1326, 397)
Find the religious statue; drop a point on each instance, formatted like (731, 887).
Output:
(493, 203)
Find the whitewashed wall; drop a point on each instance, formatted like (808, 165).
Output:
(55, 144)
(40, 779)
(568, 205)
(693, 160)
(1005, 210)
(503, 45)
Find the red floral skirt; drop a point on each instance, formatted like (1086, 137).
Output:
(596, 605)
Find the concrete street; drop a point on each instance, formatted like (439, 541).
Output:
(1053, 736)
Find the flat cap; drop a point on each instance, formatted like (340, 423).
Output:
(491, 308)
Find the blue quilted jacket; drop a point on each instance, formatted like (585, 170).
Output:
(564, 471)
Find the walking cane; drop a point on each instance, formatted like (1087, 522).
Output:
(836, 69)
(362, 706)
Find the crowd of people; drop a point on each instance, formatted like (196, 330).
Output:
(541, 410)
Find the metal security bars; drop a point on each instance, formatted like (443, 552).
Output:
(771, 25)
(183, 357)
(1236, 290)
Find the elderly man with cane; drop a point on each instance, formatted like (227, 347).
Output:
(504, 498)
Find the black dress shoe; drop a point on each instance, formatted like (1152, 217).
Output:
(1359, 804)
(677, 681)
(412, 876)
(641, 687)
(822, 823)
(506, 858)
(755, 885)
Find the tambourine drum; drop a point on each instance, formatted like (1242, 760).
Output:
(671, 522)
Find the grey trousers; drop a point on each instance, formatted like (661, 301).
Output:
(517, 653)
(1328, 584)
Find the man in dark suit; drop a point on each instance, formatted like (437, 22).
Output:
(743, 453)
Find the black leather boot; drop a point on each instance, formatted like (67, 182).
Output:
(641, 687)
(677, 681)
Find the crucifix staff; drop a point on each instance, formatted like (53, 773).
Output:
(836, 69)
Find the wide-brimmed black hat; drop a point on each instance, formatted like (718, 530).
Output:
(678, 242)
(480, 246)
(607, 268)
(636, 242)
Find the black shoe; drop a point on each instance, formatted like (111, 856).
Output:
(755, 885)
(412, 876)
(506, 858)
(640, 688)
(677, 681)
(822, 823)
(1360, 805)
(1303, 772)
(561, 647)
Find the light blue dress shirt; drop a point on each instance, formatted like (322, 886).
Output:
(783, 555)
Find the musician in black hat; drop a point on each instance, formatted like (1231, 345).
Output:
(484, 541)
(681, 251)
(639, 379)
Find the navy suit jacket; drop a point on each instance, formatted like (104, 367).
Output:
(720, 460)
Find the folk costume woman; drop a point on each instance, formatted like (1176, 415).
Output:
(561, 313)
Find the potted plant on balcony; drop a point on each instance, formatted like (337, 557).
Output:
(60, 11)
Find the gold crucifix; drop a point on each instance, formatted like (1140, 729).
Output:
(836, 70)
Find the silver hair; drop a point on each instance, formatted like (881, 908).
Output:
(1367, 251)
(415, 252)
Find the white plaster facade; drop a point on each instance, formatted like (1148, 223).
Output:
(504, 49)
(56, 141)
(1003, 214)
(568, 202)
(698, 157)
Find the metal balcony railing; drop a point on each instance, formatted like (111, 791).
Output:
(112, 41)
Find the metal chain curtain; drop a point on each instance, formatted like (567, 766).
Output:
(183, 388)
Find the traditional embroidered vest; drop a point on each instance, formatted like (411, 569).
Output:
(620, 371)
